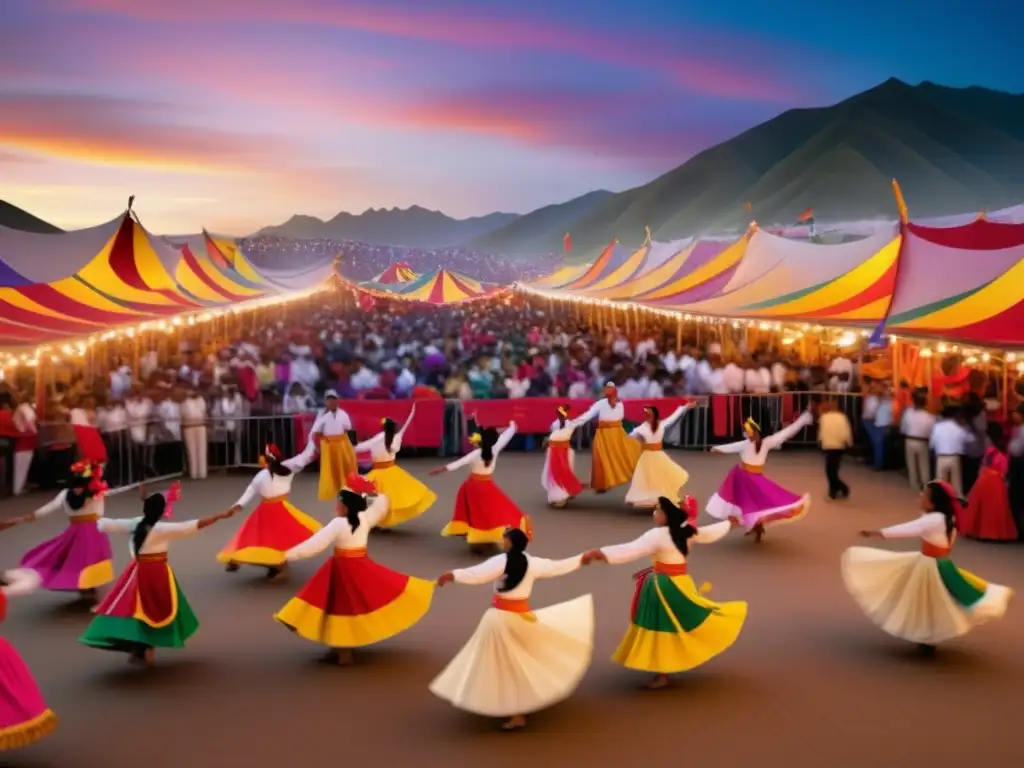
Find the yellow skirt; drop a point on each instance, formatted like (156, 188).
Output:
(615, 457)
(337, 461)
(408, 498)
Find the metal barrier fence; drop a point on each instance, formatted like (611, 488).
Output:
(158, 451)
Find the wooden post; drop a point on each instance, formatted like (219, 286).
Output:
(679, 334)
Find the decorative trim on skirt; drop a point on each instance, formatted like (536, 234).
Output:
(24, 716)
(274, 527)
(752, 498)
(482, 512)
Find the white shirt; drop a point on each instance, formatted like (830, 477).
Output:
(193, 411)
(297, 403)
(748, 452)
(139, 412)
(633, 389)
(917, 423)
(267, 485)
(474, 461)
(560, 434)
(159, 538)
(841, 365)
(536, 568)
(79, 418)
(378, 449)
(657, 436)
(734, 377)
(883, 415)
(227, 409)
(114, 419)
(364, 379)
(949, 438)
(657, 544)
(517, 388)
(779, 376)
(930, 526)
(757, 380)
(870, 408)
(339, 534)
(405, 382)
(331, 424)
(1016, 446)
(603, 410)
(25, 418)
(93, 506)
(171, 415)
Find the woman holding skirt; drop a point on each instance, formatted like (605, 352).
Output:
(615, 455)
(922, 597)
(78, 559)
(656, 475)
(24, 716)
(275, 526)
(746, 495)
(146, 609)
(558, 477)
(673, 627)
(352, 601)
(518, 661)
(482, 510)
(408, 498)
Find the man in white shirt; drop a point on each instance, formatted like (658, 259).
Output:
(297, 401)
(949, 441)
(167, 448)
(193, 425)
(734, 378)
(140, 411)
(363, 378)
(337, 456)
(112, 421)
(24, 447)
(916, 426)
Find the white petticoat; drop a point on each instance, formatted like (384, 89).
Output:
(903, 593)
(656, 475)
(513, 666)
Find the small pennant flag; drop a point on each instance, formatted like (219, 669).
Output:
(807, 217)
(567, 242)
(647, 234)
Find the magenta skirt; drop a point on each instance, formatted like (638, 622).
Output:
(752, 498)
(77, 558)
(24, 716)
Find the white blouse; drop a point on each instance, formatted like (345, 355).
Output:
(603, 410)
(329, 424)
(657, 436)
(93, 506)
(537, 568)
(930, 527)
(339, 534)
(748, 452)
(267, 485)
(657, 544)
(560, 434)
(377, 447)
(159, 538)
(474, 461)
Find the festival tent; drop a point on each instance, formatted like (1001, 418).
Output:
(560, 277)
(437, 287)
(611, 259)
(400, 272)
(961, 283)
(707, 267)
(660, 261)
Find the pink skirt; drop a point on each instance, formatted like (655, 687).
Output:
(79, 557)
(24, 716)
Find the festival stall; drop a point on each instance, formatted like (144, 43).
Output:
(440, 286)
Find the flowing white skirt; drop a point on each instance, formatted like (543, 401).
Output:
(556, 493)
(656, 475)
(514, 666)
(903, 593)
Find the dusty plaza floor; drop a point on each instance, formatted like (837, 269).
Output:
(811, 682)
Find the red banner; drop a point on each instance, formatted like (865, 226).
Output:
(426, 430)
(534, 415)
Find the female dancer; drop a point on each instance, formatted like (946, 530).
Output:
(749, 497)
(558, 478)
(673, 627)
(922, 596)
(482, 510)
(352, 601)
(519, 661)
(275, 526)
(656, 475)
(337, 457)
(79, 557)
(146, 609)
(987, 516)
(24, 716)
(408, 498)
(615, 455)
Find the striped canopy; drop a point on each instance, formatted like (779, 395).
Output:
(437, 287)
(399, 272)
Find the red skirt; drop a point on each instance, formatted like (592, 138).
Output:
(987, 515)
(274, 527)
(560, 472)
(482, 512)
(146, 591)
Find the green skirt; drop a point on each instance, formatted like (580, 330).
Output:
(129, 634)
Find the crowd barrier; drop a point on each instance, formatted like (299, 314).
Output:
(156, 451)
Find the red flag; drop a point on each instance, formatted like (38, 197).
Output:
(806, 216)
(567, 242)
(366, 302)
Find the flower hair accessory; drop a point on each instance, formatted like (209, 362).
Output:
(751, 426)
(689, 505)
(359, 484)
(173, 494)
(476, 438)
(526, 526)
(563, 411)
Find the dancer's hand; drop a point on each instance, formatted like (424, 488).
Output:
(5, 524)
(234, 510)
(870, 535)
(595, 555)
(714, 449)
(437, 471)
(445, 578)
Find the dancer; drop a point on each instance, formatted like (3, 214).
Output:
(408, 498)
(78, 559)
(673, 627)
(558, 477)
(519, 661)
(24, 716)
(749, 497)
(275, 526)
(615, 455)
(337, 457)
(146, 609)
(482, 510)
(987, 516)
(352, 601)
(922, 596)
(656, 475)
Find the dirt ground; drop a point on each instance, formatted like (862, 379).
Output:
(811, 682)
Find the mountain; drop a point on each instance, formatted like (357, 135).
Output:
(532, 233)
(952, 150)
(13, 217)
(416, 227)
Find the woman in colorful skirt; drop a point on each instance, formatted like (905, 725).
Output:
(519, 661)
(146, 609)
(482, 510)
(78, 559)
(24, 716)
(656, 475)
(987, 516)
(746, 495)
(558, 477)
(673, 627)
(275, 526)
(329, 437)
(922, 597)
(615, 455)
(353, 601)
(408, 498)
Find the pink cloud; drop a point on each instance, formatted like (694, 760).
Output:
(470, 28)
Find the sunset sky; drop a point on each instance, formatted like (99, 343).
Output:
(235, 114)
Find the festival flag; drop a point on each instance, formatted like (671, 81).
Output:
(567, 242)
(807, 217)
(879, 339)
